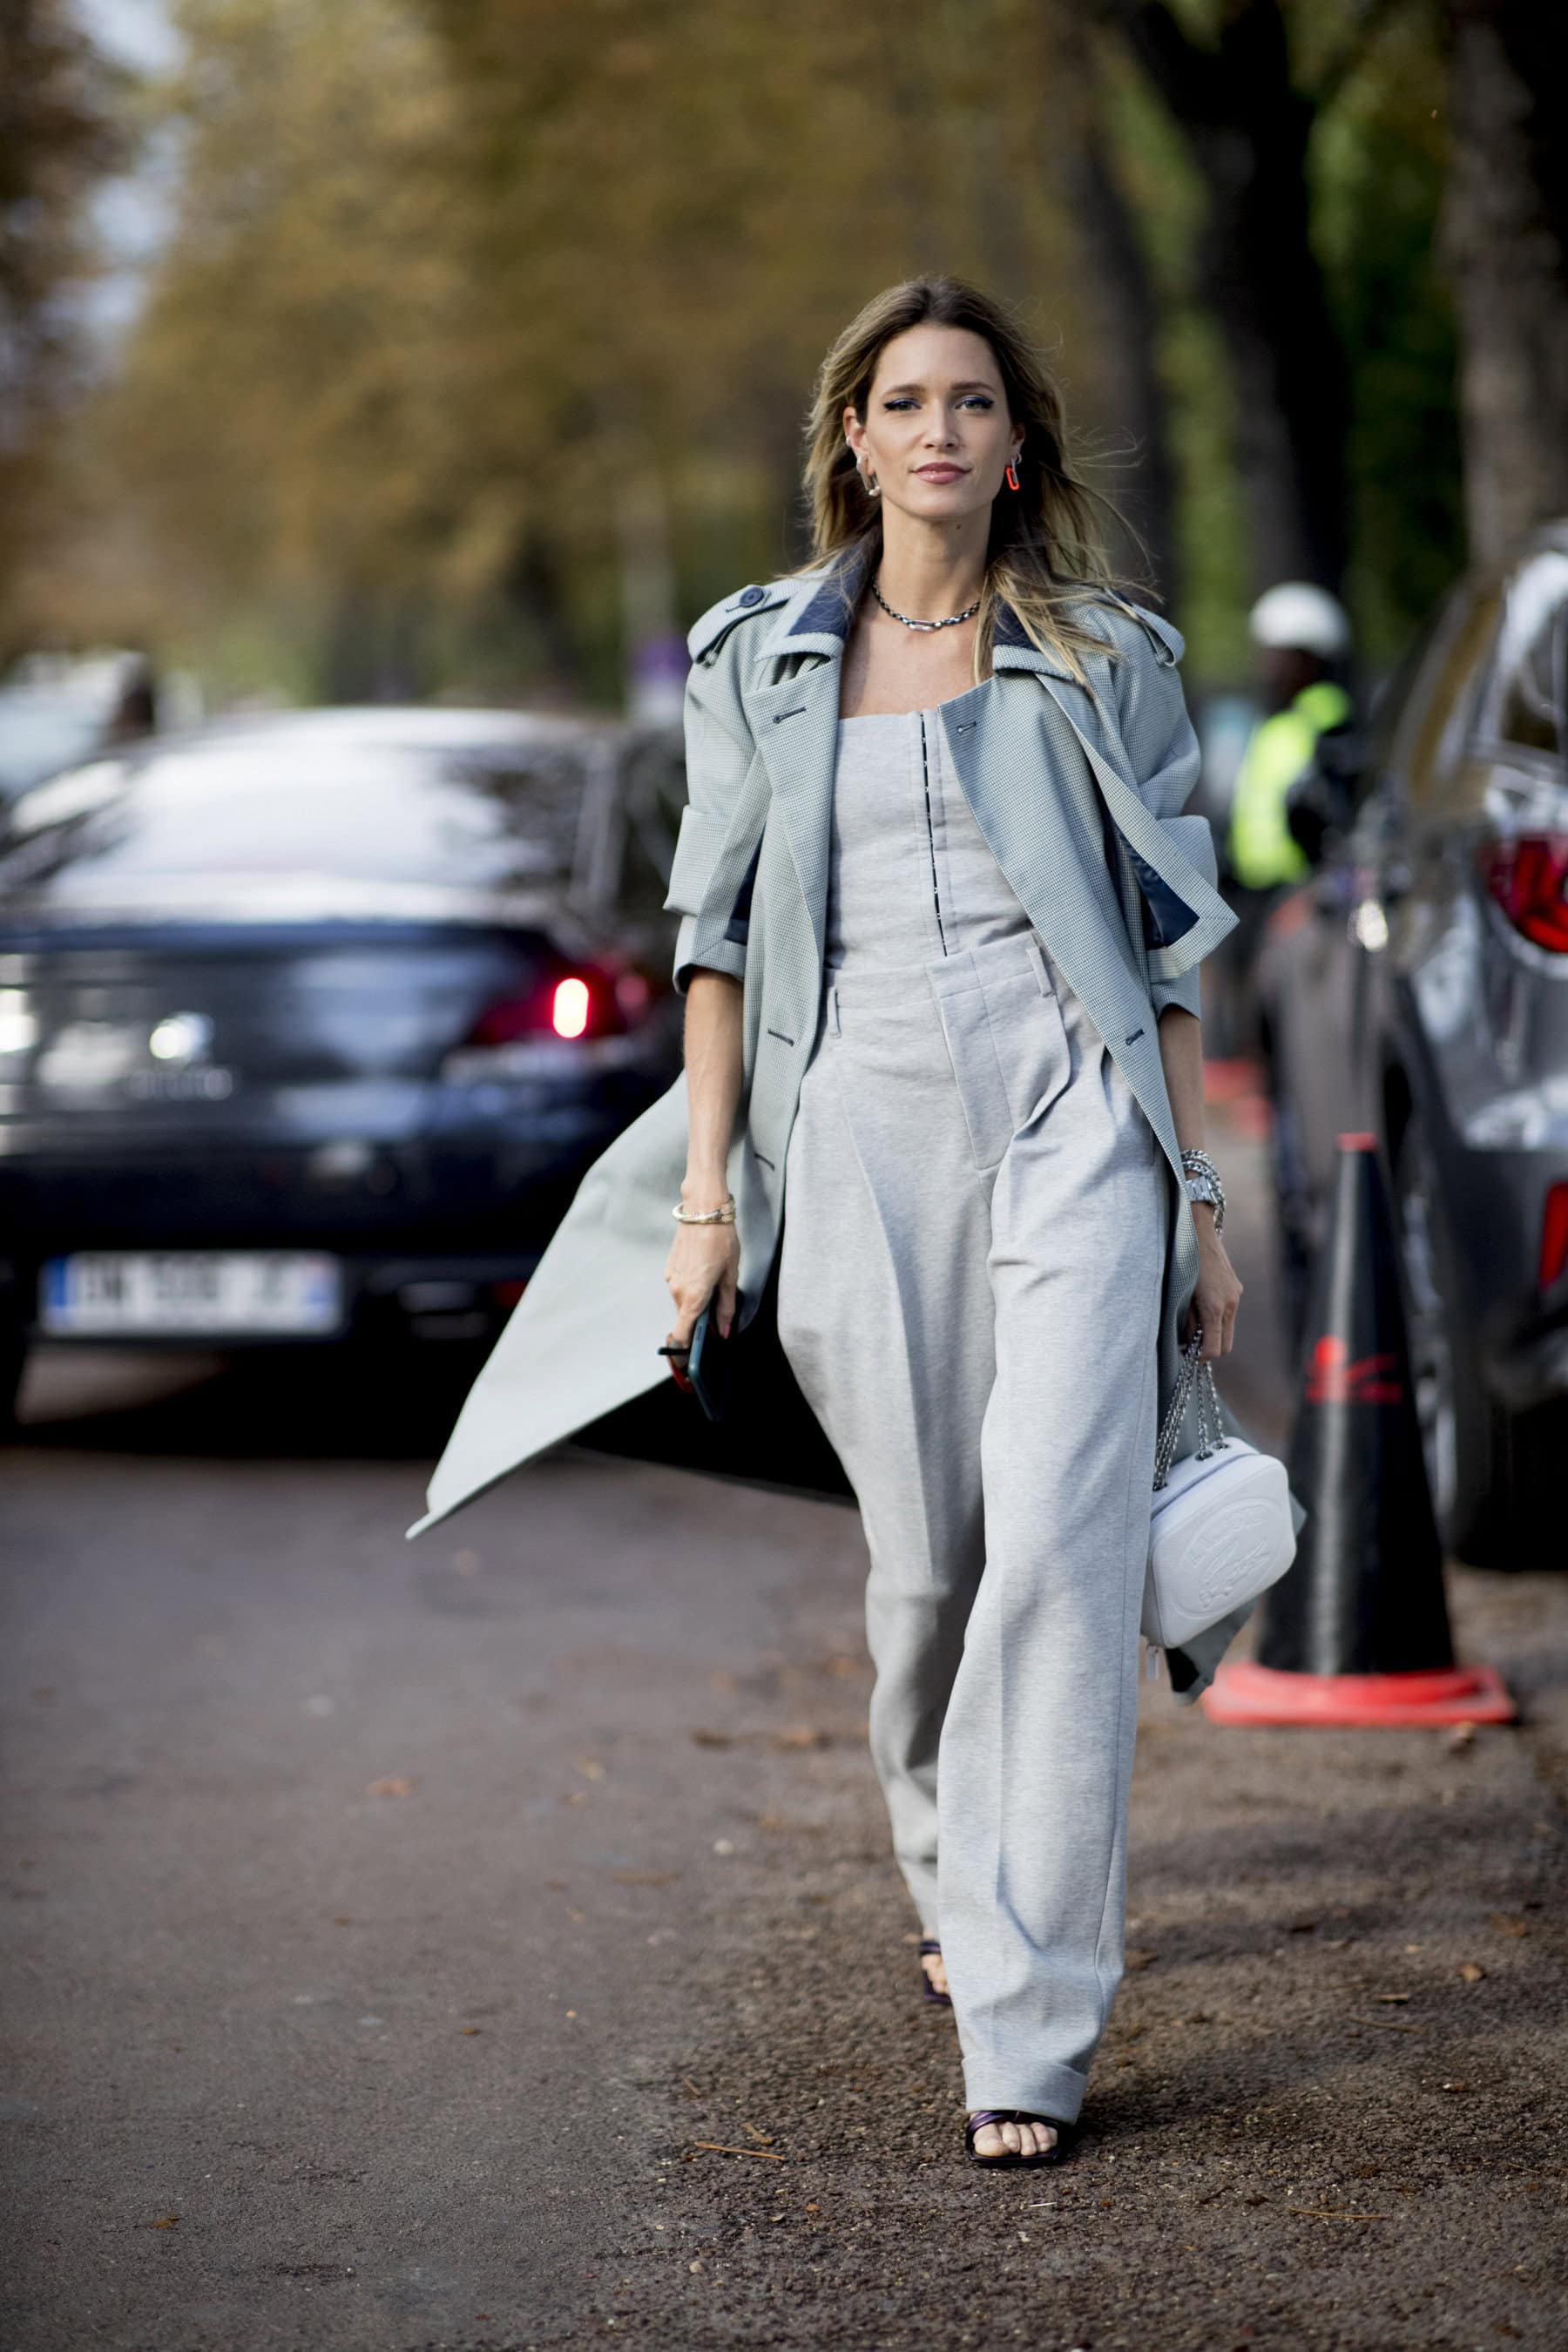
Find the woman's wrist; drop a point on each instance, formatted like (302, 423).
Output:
(704, 1188)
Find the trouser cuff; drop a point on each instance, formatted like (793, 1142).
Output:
(1041, 2087)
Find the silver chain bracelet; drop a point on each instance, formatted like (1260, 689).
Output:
(1202, 1180)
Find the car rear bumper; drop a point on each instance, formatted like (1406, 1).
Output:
(445, 1298)
(1494, 1204)
(432, 1234)
(1531, 1367)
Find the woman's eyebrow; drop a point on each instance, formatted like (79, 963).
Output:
(972, 384)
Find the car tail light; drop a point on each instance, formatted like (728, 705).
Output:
(1528, 876)
(577, 1005)
(1554, 1235)
(571, 1006)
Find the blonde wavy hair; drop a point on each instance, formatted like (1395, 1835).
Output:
(1044, 550)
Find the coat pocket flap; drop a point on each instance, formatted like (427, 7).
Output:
(697, 848)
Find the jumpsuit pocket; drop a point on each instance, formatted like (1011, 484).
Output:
(1008, 1046)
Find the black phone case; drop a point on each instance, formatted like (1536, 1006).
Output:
(709, 1367)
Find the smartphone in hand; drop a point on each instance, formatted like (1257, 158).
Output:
(710, 1366)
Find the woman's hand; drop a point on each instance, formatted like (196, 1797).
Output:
(1218, 1292)
(703, 1258)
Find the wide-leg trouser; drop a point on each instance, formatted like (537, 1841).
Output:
(969, 1293)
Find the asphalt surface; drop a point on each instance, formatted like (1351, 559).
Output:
(492, 1942)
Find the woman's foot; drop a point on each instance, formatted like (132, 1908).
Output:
(935, 1969)
(1032, 2139)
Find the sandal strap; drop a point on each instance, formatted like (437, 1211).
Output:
(983, 2115)
(928, 1944)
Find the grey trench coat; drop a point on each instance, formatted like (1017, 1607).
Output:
(1127, 915)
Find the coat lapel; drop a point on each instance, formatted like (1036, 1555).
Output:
(795, 725)
(1040, 832)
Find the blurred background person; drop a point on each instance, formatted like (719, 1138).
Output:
(1302, 638)
(135, 711)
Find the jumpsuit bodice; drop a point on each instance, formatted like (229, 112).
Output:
(911, 875)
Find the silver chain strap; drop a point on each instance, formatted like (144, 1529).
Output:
(1211, 1432)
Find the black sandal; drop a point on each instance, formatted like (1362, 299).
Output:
(943, 2000)
(1010, 2159)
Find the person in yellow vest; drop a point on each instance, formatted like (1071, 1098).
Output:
(1300, 635)
(1300, 632)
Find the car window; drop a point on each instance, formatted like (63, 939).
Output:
(1523, 707)
(493, 816)
(41, 733)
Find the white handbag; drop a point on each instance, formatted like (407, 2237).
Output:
(1220, 1530)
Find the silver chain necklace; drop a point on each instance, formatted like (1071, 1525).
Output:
(951, 622)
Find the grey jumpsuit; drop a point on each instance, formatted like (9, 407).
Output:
(969, 1293)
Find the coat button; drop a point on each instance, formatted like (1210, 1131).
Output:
(750, 595)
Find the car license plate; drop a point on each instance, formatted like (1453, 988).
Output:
(207, 1293)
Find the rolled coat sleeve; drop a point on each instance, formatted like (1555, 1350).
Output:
(1163, 751)
(717, 754)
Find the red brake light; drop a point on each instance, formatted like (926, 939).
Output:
(586, 1003)
(1554, 1235)
(569, 1007)
(1528, 876)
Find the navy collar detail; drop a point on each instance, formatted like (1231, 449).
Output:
(830, 609)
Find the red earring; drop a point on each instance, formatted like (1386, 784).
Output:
(1013, 482)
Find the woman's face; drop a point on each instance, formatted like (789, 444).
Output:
(937, 436)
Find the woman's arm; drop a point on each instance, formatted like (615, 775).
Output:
(1219, 1293)
(705, 1257)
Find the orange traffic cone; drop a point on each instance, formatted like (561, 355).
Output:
(1356, 1632)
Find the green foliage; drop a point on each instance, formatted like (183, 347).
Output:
(57, 137)
(1378, 164)
(456, 285)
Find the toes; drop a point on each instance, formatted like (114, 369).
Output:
(935, 1969)
(1016, 2139)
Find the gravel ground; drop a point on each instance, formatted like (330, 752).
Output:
(492, 1942)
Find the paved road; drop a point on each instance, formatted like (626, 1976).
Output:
(491, 1941)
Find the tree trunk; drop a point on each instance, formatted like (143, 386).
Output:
(1505, 245)
(1248, 126)
(1133, 402)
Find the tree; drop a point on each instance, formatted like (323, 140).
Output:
(1121, 299)
(1246, 115)
(57, 139)
(1505, 240)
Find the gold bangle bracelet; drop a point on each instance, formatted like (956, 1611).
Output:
(685, 1217)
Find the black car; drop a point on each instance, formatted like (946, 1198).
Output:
(1417, 986)
(310, 1023)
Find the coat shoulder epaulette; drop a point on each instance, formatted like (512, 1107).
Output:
(706, 634)
(1167, 639)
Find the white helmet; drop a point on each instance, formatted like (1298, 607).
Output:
(1297, 615)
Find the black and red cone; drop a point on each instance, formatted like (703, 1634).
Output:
(1356, 1632)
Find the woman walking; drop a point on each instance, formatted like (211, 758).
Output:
(941, 925)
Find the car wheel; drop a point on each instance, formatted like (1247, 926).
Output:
(1464, 1433)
